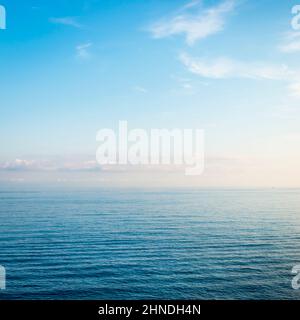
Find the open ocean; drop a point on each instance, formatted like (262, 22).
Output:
(150, 244)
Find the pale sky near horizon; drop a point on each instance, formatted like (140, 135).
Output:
(70, 68)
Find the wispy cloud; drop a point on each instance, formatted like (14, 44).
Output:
(295, 89)
(184, 83)
(16, 165)
(194, 21)
(140, 89)
(50, 165)
(224, 68)
(68, 21)
(291, 43)
(82, 51)
(191, 4)
(24, 165)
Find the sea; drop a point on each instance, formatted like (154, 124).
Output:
(128, 244)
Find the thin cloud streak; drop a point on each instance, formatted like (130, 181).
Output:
(224, 68)
(291, 43)
(67, 21)
(21, 165)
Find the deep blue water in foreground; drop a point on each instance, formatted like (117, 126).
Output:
(163, 244)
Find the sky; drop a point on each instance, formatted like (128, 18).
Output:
(229, 67)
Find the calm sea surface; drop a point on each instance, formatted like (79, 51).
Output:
(167, 244)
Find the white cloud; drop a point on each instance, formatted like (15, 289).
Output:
(140, 89)
(82, 51)
(291, 43)
(68, 21)
(184, 83)
(192, 4)
(88, 165)
(50, 165)
(291, 47)
(20, 165)
(295, 89)
(194, 22)
(223, 68)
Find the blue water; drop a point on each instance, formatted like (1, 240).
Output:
(150, 244)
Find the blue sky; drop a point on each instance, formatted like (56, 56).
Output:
(70, 68)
